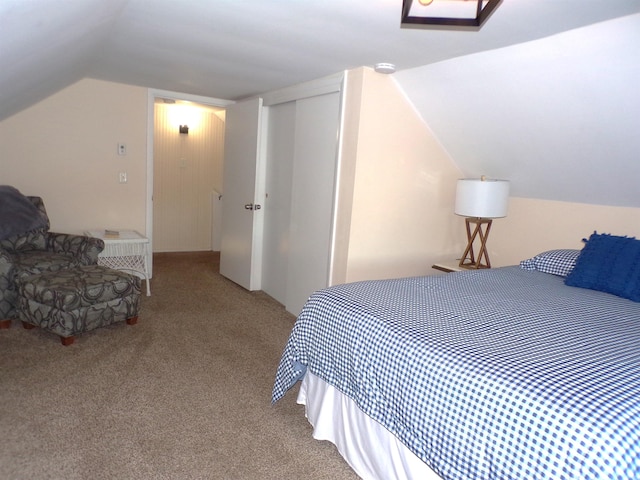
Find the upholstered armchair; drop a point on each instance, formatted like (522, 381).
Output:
(38, 251)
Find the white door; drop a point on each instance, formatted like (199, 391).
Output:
(301, 146)
(241, 241)
(280, 147)
(312, 196)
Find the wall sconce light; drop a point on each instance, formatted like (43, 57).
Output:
(446, 13)
(480, 200)
(184, 129)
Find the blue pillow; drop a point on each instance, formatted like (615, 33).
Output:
(609, 263)
(557, 262)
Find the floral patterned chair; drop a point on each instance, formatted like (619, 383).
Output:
(38, 251)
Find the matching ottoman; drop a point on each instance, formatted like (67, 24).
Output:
(76, 300)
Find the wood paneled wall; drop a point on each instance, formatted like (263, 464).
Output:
(187, 174)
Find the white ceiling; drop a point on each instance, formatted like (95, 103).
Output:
(232, 49)
(481, 92)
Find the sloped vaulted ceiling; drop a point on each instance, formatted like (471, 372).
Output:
(47, 45)
(559, 117)
(482, 92)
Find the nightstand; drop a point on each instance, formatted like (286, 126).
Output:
(447, 267)
(124, 250)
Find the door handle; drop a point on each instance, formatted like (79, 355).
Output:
(251, 206)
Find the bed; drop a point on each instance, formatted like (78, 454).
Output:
(509, 373)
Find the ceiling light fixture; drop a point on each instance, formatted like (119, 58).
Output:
(446, 13)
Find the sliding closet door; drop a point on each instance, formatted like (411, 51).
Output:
(300, 177)
(312, 196)
(281, 121)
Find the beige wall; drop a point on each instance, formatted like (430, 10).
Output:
(533, 226)
(64, 149)
(401, 218)
(395, 215)
(396, 199)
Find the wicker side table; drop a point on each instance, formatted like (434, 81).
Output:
(127, 250)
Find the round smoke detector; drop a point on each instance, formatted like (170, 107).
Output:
(384, 67)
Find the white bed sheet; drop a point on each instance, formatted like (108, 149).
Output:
(369, 448)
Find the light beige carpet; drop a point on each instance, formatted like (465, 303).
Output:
(184, 394)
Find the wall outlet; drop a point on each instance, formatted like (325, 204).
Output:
(122, 177)
(122, 149)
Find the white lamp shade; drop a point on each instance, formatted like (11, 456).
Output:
(482, 198)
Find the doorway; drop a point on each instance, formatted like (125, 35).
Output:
(184, 170)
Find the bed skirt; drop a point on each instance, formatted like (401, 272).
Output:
(367, 446)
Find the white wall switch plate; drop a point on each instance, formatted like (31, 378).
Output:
(122, 177)
(122, 149)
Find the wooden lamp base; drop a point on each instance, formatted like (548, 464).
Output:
(481, 233)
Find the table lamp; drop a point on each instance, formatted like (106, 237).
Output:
(480, 200)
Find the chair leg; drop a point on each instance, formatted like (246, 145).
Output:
(5, 323)
(27, 326)
(132, 320)
(67, 340)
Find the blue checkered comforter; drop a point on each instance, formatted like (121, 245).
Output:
(490, 374)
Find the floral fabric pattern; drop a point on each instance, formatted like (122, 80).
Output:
(72, 301)
(40, 251)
